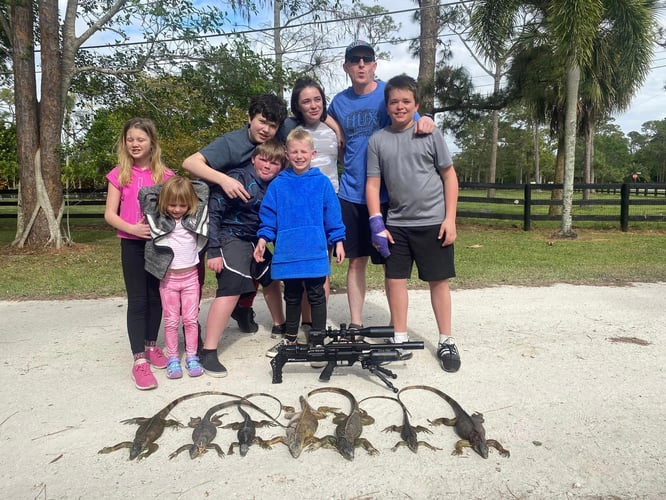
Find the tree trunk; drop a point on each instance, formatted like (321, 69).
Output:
(27, 123)
(277, 45)
(556, 194)
(535, 148)
(428, 54)
(38, 126)
(573, 79)
(492, 167)
(589, 156)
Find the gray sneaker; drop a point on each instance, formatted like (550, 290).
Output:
(448, 356)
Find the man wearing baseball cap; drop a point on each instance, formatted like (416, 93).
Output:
(360, 111)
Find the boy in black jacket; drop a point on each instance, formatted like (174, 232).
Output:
(232, 236)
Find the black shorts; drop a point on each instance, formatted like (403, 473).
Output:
(357, 232)
(419, 244)
(241, 270)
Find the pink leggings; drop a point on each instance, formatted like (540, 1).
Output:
(180, 297)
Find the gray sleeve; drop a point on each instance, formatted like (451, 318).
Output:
(218, 154)
(442, 156)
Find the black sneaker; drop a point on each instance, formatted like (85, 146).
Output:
(449, 359)
(244, 316)
(212, 365)
(278, 331)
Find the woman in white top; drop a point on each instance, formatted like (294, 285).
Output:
(308, 104)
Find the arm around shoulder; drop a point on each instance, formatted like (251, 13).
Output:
(337, 129)
(196, 165)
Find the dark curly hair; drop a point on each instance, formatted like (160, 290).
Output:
(271, 106)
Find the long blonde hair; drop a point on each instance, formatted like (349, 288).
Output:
(178, 190)
(157, 166)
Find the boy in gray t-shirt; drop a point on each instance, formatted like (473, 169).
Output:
(421, 219)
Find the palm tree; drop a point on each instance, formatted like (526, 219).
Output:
(609, 83)
(572, 27)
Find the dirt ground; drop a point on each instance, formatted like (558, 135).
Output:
(570, 379)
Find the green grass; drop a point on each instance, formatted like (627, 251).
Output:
(485, 256)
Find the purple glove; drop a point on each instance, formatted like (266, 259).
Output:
(378, 234)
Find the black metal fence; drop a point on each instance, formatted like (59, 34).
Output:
(619, 203)
(614, 203)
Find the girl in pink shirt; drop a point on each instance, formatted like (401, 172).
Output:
(139, 164)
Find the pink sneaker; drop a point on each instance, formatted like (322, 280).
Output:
(156, 357)
(143, 377)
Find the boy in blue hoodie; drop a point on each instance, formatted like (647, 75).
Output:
(300, 213)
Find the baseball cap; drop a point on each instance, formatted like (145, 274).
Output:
(359, 44)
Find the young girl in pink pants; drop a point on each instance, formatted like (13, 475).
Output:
(177, 214)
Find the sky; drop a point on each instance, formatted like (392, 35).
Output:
(648, 104)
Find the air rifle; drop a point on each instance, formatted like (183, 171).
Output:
(344, 350)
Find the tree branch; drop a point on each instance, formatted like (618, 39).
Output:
(70, 19)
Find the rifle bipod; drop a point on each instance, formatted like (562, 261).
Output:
(382, 373)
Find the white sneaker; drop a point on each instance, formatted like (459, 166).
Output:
(272, 352)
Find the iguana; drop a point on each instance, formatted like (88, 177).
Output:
(348, 428)
(151, 428)
(469, 428)
(302, 427)
(247, 428)
(205, 430)
(407, 431)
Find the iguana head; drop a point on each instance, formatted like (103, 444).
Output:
(478, 444)
(293, 442)
(346, 448)
(135, 450)
(197, 449)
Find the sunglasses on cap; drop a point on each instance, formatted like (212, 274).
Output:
(358, 59)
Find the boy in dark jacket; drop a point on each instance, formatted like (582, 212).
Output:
(232, 238)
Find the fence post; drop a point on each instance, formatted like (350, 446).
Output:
(624, 207)
(527, 208)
